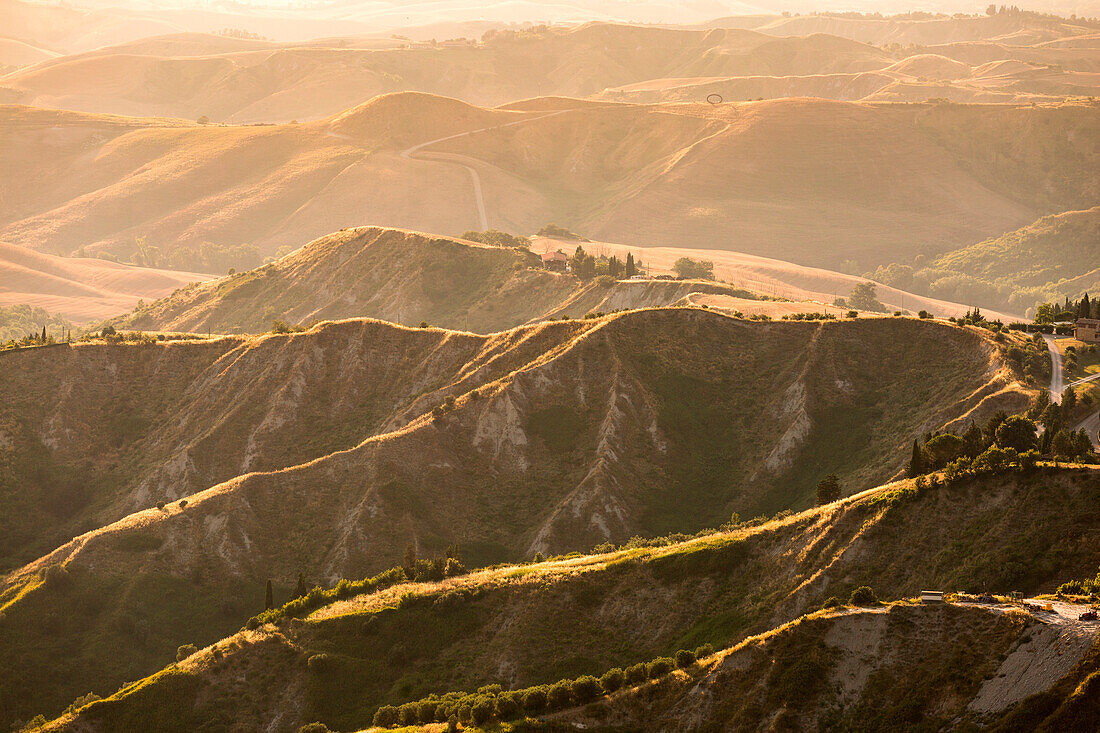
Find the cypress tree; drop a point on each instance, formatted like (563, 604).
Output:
(916, 465)
(631, 268)
(300, 589)
(269, 600)
(1084, 308)
(43, 334)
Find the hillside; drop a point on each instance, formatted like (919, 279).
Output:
(772, 277)
(403, 277)
(809, 181)
(1051, 259)
(503, 625)
(240, 81)
(81, 289)
(640, 423)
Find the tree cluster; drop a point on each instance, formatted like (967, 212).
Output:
(586, 266)
(863, 297)
(496, 238)
(690, 269)
(492, 703)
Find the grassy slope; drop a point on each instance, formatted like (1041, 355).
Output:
(99, 431)
(645, 422)
(400, 276)
(998, 533)
(745, 185)
(859, 186)
(1055, 257)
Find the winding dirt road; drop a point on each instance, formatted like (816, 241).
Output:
(465, 161)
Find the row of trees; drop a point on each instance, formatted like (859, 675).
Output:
(586, 266)
(491, 702)
(1069, 310)
(1016, 433)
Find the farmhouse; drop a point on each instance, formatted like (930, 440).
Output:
(556, 261)
(1087, 329)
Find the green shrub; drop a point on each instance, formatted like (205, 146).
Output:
(612, 679)
(685, 658)
(408, 714)
(314, 728)
(560, 695)
(863, 596)
(704, 651)
(252, 624)
(185, 651)
(385, 716)
(427, 710)
(482, 710)
(924, 314)
(534, 699)
(636, 674)
(319, 663)
(507, 707)
(831, 602)
(586, 689)
(659, 667)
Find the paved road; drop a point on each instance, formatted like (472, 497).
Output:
(455, 158)
(1056, 385)
(1091, 425)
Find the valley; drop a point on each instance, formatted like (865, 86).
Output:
(549, 366)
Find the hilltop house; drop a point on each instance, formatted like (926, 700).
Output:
(556, 261)
(1087, 329)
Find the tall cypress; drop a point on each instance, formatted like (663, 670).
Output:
(916, 462)
(300, 589)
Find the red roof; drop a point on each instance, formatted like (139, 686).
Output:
(554, 257)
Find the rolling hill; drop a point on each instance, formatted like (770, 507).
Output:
(332, 458)
(403, 277)
(82, 289)
(1049, 260)
(808, 181)
(241, 81)
(504, 625)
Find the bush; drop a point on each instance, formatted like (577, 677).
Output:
(560, 695)
(427, 710)
(863, 596)
(659, 667)
(924, 314)
(612, 679)
(385, 716)
(185, 651)
(314, 728)
(318, 663)
(408, 714)
(636, 674)
(831, 602)
(534, 699)
(252, 624)
(704, 651)
(482, 711)
(586, 689)
(852, 314)
(507, 707)
(685, 658)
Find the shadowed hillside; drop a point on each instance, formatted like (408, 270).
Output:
(641, 423)
(403, 277)
(808, 181)
(505, 625)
